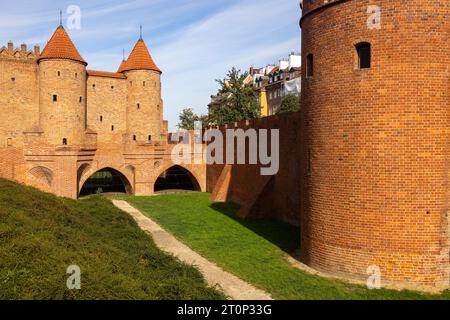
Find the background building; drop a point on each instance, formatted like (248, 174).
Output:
(273, 83)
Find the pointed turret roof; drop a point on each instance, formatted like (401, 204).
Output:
(122, 66)
(139, 59)
(60, 46)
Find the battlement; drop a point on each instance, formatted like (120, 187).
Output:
(10, 53)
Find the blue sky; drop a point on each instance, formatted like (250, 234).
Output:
(193, 42)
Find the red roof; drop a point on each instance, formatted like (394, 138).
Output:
(122, 66)
(105, 74)
(139, 59)
(61, 47)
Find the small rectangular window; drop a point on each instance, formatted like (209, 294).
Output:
(309, 65)
(134, 137)
(59, 73)
(55, 98)
(364, 55)
(101, 118)
(138, 105)
(149, 138)
(81, 99)
(65, 141)
(112, 128)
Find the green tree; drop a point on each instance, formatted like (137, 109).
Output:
(204, 118)
(238, 101)
(187, 119)
(290, 103)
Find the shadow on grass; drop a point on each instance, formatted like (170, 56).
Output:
(283, 235)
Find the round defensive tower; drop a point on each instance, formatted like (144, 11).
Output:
(62, 86)
(145, 107)
(375, 103)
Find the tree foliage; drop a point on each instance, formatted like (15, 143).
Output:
(237, 100)
(290, 103)
(188, 118)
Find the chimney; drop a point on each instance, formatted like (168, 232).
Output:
(23, 50)
(10, 46)
(37, 50)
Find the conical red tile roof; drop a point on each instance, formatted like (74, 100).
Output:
(122, 66)
(139, 59)
(61, 47)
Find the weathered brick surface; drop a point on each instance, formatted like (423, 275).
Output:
(66, 117)
(144, 105)
(275, 196)
(107, 102)
(19, 97)
(378, 141)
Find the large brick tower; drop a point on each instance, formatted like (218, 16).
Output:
(145, 107)
(62, 91)
(375, 103)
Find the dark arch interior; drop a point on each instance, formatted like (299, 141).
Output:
(176, 178)
(106, 180)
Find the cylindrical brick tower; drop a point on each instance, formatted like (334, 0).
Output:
(145, 107)
(375, 103)
(62, 85)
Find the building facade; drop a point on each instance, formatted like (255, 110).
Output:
(274, 83)
(271, 83)
(62, 122)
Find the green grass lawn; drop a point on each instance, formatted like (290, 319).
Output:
(254, 250)
(41, 235)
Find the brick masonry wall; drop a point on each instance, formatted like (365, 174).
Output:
(378, 141)
(144, 89)
(107, 98)
(65, 118)
(19, 98)
(12, 163)
(275, 196)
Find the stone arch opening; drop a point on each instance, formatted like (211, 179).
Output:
(43, 175)
(107, 180)
(176, 178)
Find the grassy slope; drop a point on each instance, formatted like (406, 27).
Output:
(41, 235)
(251, 249)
